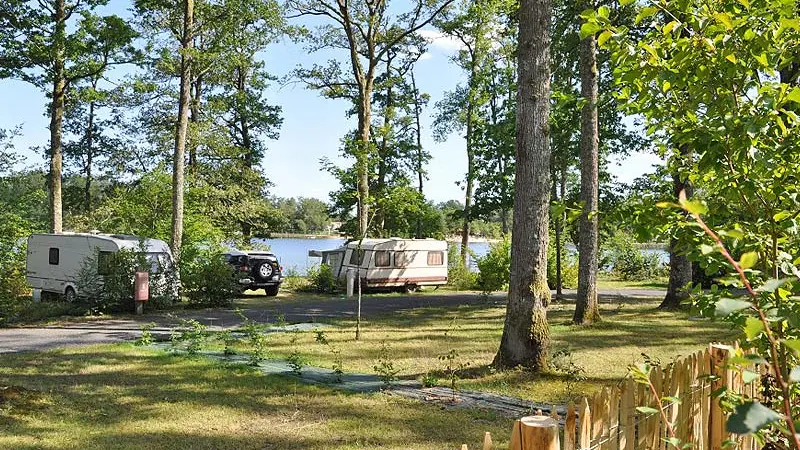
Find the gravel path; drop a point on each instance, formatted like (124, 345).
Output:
(314, 310)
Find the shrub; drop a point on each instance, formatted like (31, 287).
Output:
(459, 277)
(321, 279)
(208, 280)
(113, 291)
(627, 261)
(494, 267)
(14, 291)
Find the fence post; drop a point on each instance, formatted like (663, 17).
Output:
(569, 428)
(585, 425)
(487, 441)
(716, 419)
(535, 433)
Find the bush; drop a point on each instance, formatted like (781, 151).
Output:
(626, 260)
(494, 267)
(208, 280)
(321, 279)
(14, 291)
(113, 291)
(459, 277)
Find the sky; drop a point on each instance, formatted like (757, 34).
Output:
(313, 126)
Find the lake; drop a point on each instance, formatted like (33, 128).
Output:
(293, 252)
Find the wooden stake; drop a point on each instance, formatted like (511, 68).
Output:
(585, 426)
(627, 439)
(569, 427)
(487, 441)
(716, 422)
(613, 417)
(535, 433)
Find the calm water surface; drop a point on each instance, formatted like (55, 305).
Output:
(293, 252)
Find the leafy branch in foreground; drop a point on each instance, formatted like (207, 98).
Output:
(751, 416)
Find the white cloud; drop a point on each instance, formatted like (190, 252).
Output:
(426, 55)
(440, 40)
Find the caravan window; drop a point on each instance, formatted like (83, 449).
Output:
(104, 261)
(357, 257)
(401, 259)
(435, 258)
(383, 258)
(53, 256)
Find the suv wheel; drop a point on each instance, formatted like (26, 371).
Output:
(271, 291)
(264, 270)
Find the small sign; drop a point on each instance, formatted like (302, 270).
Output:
(142, 287)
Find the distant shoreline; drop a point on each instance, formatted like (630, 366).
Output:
(454, 239)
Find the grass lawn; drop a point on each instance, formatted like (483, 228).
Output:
(416, 339)
(124, 397)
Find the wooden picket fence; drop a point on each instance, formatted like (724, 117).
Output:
(610, 420)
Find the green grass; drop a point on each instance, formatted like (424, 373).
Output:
(122, 397)
(417, 338)
(613, 283)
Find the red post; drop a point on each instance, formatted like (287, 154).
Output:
(141, 290)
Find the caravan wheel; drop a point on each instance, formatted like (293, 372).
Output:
(69, 294)
(410, 288)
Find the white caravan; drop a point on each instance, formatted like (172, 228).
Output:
(390, 262)
(55, 260)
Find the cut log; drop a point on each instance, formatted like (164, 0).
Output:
(535, 433)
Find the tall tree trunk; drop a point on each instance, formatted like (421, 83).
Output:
(362, 156)
(194, 118)
(557, 226)
(471, 100)
(383, 169)
(57, 115)
(586, 310)
(180, 131)
(241, 84)
(420, 172)
(680, 268)
(87, 187)
(526, 334)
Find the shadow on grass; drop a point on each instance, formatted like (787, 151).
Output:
(122, 397)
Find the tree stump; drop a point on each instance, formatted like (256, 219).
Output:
(535, 433)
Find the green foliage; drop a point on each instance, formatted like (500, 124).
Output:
(296, 359)
(385, 368)
(717, 84)
(494, 267)
(13, 285)
(255, 338)
(459, 277)
(146, 338)
(336, 352)
(563, 361)
(569, 269)
(208, 280)
(303, 215)
(190, 337)
(628, 262)
(229, 340)
(321, 279)
(453, 367)
(113, 291)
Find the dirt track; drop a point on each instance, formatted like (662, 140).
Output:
(313, 309)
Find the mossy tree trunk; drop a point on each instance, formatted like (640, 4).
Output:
(526, 334)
